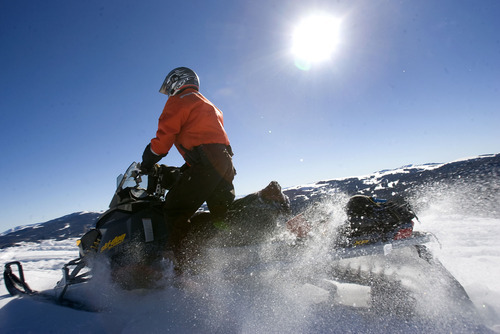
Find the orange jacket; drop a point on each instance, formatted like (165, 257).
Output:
(188, 120)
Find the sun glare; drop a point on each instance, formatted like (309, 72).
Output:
(315, 39)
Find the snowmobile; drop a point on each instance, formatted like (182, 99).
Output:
(376, 248)
(132, 235)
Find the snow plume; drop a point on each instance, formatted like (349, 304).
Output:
(472, 195)
(464, 215)
(272, 288)
(325, 216)
(262, 288)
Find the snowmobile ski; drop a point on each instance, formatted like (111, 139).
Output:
(17, 286)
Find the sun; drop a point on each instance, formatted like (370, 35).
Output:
(315, 39)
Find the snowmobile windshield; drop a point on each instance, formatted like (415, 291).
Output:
(132, 181)
(132, 178)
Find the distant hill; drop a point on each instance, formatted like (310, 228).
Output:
(474, 184)
(73, 225)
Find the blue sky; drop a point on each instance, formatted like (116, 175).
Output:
(409, 82)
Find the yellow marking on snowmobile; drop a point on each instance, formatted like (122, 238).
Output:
(361, 242)
(112, 243)
(78, 242)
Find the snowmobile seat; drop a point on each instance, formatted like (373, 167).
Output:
(370, 220)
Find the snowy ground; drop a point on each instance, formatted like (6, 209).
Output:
(272, 303)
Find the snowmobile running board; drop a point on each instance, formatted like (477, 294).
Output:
(385, 248)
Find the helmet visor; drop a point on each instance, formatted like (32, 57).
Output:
(164, 86)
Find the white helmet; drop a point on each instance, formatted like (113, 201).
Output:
(179, 79)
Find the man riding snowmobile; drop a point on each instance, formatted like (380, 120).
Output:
(195, 126)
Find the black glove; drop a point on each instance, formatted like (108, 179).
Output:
(149, 159)
(170, 175)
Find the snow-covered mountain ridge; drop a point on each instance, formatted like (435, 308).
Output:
(69, 226)
(475, 182)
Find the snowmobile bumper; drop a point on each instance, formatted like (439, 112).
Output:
(16, 284)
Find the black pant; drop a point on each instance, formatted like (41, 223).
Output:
(208, 179)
